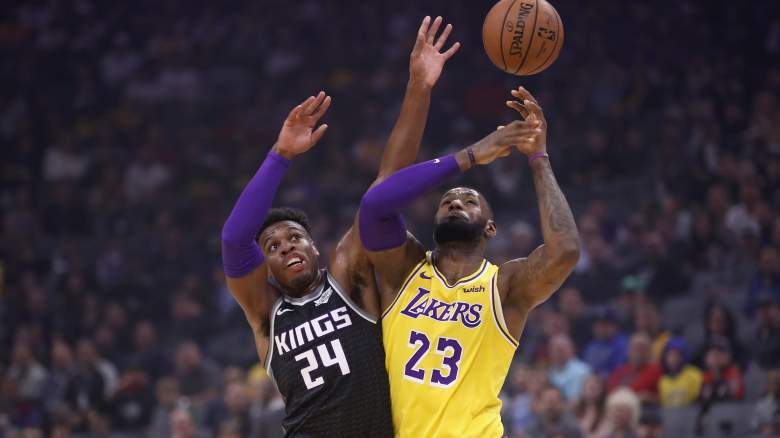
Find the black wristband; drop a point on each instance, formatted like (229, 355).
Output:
(472, 160)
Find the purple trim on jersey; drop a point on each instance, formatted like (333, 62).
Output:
(493, 295)
(240, 253)
(381, 224)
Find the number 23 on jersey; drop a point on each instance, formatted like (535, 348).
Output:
(449, 349)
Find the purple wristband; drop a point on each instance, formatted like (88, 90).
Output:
(536, 156)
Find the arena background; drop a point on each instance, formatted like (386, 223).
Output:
(127, 130)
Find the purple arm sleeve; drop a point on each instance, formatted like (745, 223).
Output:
(381, 224)
(240, 252)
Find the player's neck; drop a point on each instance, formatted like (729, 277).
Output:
(457, 260)
(311, 287)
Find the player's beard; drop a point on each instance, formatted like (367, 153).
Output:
(456, 231)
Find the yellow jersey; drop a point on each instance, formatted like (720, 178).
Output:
(448, 351)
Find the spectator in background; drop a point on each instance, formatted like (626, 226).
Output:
(632, 296)
(517, 415)
(553, 420)
(232, 411)
(87, 389)
(147, 354)
(60, 373)
(183, 425)
(572, 307)
(167, 394)
(647, 320)
(766, 344)
(641, 373)
(662, 268)
(198, 378)
(681, 383)
(27, 376)
(623, 411)
(650, 423)
(130, 409)
(64, 162)
(590, 409)
(607, 350)
(599, 279)
(766, 280)
(268, 410)
(766, 417)
(722, 379)
(719, 323)
(145, 175)
(567, 372)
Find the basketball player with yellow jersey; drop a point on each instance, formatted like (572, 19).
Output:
(451, 319)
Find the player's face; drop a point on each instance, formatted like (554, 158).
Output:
(462, 215)
(290, 254)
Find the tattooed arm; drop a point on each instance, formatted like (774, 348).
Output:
(525, 283)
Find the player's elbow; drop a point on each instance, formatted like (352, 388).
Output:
(370, 204)
(568, 253)
(230, 238)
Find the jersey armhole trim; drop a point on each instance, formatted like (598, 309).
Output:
(498, 312)
(401, 290)
(337, 287)
(270, 351)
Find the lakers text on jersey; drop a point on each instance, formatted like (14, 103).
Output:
(326, 358)
(448, 351)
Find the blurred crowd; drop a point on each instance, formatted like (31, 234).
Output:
(129, 128)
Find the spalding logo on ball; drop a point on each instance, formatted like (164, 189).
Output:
(522, 37)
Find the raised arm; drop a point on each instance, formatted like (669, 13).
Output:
(381, 225)
(425, 66)
(242, 259)
(348, 263)
(525, 283)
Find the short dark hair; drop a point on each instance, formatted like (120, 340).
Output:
(281, 214)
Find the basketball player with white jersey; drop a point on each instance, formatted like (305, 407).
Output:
(316, 329)
(451, 319)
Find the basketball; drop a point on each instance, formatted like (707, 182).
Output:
(522, 37)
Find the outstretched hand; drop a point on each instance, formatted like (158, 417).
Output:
(499, 142)
(427, 60)
(532, 113)
(298, 134)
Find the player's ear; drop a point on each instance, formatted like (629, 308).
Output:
(490, 229)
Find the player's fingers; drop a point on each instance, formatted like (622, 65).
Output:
(517, 106)
(318, 133)
(452, 50)
(524, 94)
(316, 103)
(294, 112)
(534, 108)
(433, 30)
(419, 42)
(526, 135)
(443, 37)
(305, 106)
(321, 110)
(500, 127)
(424, 26)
